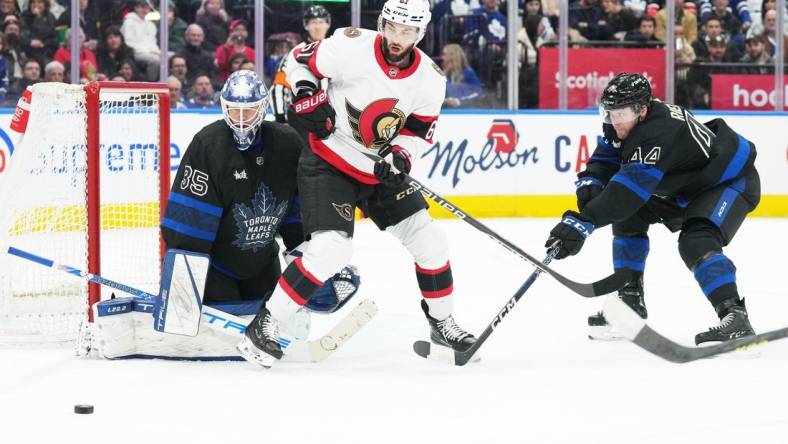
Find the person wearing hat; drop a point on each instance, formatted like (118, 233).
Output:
(235, 44)
(699, 76)
(757, 55)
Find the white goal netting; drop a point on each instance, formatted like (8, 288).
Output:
(44, 198)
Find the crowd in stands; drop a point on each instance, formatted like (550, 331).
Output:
(209, 39)
(711, 36)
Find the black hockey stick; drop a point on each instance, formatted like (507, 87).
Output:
(631, 326)
(614, 282)
(424, 348)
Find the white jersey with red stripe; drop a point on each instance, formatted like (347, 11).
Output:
(376, 103)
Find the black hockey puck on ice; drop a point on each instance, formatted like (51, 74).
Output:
(83, 409)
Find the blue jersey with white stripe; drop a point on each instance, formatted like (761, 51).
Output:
(670, 155)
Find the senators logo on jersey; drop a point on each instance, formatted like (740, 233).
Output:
(377, 124)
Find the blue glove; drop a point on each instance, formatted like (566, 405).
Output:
(571, 232)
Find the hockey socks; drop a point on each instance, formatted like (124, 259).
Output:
(436, 285)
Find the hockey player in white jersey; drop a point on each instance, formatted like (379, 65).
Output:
(379, 110)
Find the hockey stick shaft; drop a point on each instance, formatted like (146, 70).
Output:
(225, 322)
(604, 286)
(462, 358)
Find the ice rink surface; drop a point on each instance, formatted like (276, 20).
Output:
(540, 379)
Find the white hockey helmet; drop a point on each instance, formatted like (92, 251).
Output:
(244, 100)
(406, 12)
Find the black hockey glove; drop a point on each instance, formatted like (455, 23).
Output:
(587, 187)
(572, 232)
(396, 156)
(311, 112)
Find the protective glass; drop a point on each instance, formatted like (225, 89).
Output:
(614, 116)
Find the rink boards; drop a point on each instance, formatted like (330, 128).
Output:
(501, 164)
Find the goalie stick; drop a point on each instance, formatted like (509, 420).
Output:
(635, 329)
(315, 350)
(609, 284)
(425, 349)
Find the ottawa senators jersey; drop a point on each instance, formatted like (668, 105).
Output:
(671, 155)
(376, 103)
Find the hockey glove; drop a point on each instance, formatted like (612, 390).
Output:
(587, 188)
(572, 232)
(396, 156)
(311, 112)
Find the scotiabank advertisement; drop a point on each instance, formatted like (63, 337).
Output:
(590, 69)
(750, 92)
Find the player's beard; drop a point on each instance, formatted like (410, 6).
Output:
(395, 58)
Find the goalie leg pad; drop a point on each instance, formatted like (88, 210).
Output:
(181, 292)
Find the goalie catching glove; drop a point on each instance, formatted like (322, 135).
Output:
(312, 112)
(392, 156)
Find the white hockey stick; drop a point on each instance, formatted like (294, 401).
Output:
(314, 350)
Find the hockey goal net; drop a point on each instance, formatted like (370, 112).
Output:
(85, 187)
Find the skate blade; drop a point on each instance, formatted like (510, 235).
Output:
(253, 354)
(443, 354)
(604, 333)
(745, 353)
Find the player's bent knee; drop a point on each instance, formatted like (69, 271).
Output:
(327, 253)
(423, 238)
(698, 241)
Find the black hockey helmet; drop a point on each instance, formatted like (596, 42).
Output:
(626, 89)
(315, 12)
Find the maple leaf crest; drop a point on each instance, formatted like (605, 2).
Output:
(257, 225)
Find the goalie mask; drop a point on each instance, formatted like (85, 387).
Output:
(414, 13)
(244, 100)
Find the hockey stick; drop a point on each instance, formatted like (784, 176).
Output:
(424, 348)
(601, 287)
(316, 350)
(624, 319)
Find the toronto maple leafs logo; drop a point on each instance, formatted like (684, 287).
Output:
(257, 225)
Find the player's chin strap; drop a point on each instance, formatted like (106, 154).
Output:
(609, 284)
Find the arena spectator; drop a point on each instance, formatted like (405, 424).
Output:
(534, 7)
(699, 76)
(757, 55)
(8, 7)
(644, 34)
(617, 21)
(87, 60)
(202, 94)
(176, 94)
(235, 44)
(248, 65)
(128, 70)
(462, 83)
(31, 74)
(585, 17)
(55, 72)
(495, 29)
(236, 61)
(730, 22)
(141, 36)
(88, 21)
(4, 63)
(112, 50)
(180, 70)
(738, 9)
(177, 28)
(683, 17)
(12, 50)
(214, 21)
(712, 29)
(198, 59)
(39, 38)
